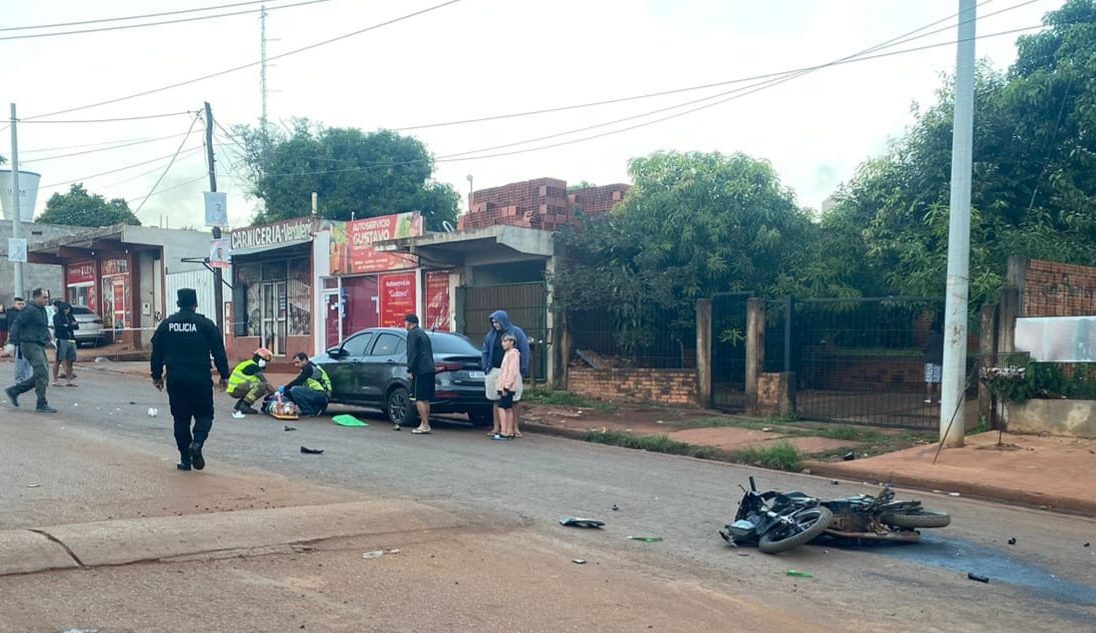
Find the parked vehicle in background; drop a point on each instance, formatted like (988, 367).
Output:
(369, 369)
(91, 327)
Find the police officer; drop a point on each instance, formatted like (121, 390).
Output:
(184, 342)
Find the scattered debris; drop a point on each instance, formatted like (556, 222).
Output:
(953, 494)
(1012, 541)
(977, 577)
(645, 539)
(290, 428)
(347, 420)
(578, 561)
(311, 451)
(1087, 544)
(378, 553)
(615, 508)
(766, 429)
(807, 471)
(34, 485)
(581, 522)
(132, 402)
(153, 412)
(835, 482)
(849, 456)
(798, 574)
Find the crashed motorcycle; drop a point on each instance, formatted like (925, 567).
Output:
(780, 521)
(776, 521)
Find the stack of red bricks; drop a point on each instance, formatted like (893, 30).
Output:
(540, 204)
(1057, 289)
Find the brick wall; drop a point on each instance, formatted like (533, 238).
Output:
(662, 386)
(1055, 289)
(542, 203)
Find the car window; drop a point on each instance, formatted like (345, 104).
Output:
(81, 310)
(451, 344)
(387, 344)
(356, 345)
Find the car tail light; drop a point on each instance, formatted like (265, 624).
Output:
(446, 395)
(444, 367)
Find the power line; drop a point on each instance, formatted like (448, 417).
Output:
(251, 64)
(168, 168)
(185, 155)
(114, 171)
(717, 84)
(39, 150)
(105, 149)
(138, 26)
(179, 186)
(141, 117)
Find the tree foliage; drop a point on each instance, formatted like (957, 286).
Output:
(355, 174)
(77, 207)
(693, 224)
(1034, 172)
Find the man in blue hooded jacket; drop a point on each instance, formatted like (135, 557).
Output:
(492, 361)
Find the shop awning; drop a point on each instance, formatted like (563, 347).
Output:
(476, 246)
(86, 243)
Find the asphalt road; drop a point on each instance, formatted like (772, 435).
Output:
(104, 458)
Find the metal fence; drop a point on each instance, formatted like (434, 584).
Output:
(667, 344)
(525, 303)
(729, 350)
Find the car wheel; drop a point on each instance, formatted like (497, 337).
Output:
(481, 416)
(399, 407)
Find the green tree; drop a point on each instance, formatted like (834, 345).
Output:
(693, 224)
(79, 208)
(355, 174)
(582, 184)
(1034, 172)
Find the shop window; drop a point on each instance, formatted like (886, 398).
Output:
(248, 277)
(273, 271)
(299, 293)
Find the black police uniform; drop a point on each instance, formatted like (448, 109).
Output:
(184, 342)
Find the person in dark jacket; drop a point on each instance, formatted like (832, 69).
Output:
(22, 367)
(3, 325)
(31, 334)
(420, 367)
(934, 363)
(64, 332)
(311, 389)
(492, 362)
(184, 342)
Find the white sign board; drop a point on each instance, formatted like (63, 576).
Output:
(1058, 339)
(28, 194)
(216, 208)
(17, 249)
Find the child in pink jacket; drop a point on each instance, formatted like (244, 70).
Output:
(509, 376)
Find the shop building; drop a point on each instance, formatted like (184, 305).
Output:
(34, 275)
(272, 301)
(120, 273)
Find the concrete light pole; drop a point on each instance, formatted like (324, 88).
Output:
(953, 386)
(16, 216)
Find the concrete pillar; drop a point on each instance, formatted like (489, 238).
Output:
(1008, 310)
(987, 357)
(704, 352)
(787, 405)
(755, 349)
(565, 350)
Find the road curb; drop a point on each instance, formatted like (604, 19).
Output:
(127, 541)
(1042, 501)
(543, 429)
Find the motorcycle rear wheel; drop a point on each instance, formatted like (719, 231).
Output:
(810, 523)
(919, 518)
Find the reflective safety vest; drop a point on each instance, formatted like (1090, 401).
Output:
(238, 376)
(319, 380)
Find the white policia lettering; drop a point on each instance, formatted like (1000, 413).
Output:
(182, 327)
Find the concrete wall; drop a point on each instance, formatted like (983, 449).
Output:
(35, 275)
(1073, 418)
(177, 243)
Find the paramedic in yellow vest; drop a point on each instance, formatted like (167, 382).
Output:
(311, 389)
(248, 383)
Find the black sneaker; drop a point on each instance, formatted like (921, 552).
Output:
(245, 408)
(196, 456)
(44, 408)
(13, 396)
(183, 465)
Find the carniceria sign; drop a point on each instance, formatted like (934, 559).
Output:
(272, 235)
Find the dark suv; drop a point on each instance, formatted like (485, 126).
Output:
(369, 368)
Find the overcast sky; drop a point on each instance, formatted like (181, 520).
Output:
(478, 58)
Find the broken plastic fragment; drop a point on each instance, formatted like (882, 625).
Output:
(581, 522)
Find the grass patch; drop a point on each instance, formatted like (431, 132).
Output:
(779, 456)
(541, 395)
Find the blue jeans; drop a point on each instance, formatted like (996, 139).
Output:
(309, 401)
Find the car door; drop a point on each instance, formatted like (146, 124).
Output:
(387, 360)
(343, 368)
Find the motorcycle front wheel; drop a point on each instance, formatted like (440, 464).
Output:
(807, 525)
(917, 518)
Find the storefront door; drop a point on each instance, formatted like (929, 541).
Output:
(274, 316)
(332, 319)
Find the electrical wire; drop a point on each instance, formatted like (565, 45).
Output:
(39, 150)
(182, 157)
(173, 188)
(717, 84)
(138, 26)
(141, 117)
(252, 64)
(105, 149)
(114, 171)
(169, 165)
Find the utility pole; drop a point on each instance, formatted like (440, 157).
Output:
(262, 65)
(218, 275)
(954, 383)
(17, 215)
